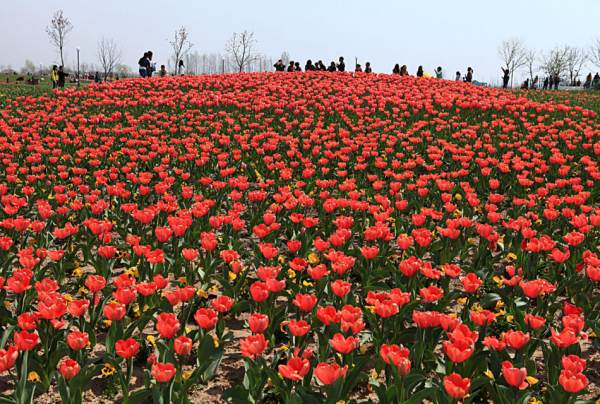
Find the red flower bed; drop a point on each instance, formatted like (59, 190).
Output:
(379, 237)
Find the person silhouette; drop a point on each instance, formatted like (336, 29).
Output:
(438, 73)
(368, 68)
(420, 71)
(469, 76)
(396, 69)
(291, 66)
(332, 67)
(341, 66)
(505, 77)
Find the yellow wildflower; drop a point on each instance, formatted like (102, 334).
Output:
(291, 273)
(461, 300)
(216, 341)
(313, 259)
(133, 271)
(307, 284)
(108, 370)
(78, 272)
(202, 293)
(232, 276)
(532, 380)
(151, 339)
(186, 375)
(489, 374)
(33, 377)
(511, 256)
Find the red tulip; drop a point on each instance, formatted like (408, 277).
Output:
(253, 345)
(68, 368)
(77, 340)
(329, 373)
(127, 348)
(457, 386)
(163, 372)
(182, 345)
(206, 318)
(167, 325)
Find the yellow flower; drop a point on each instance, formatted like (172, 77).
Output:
(281, 260)
(133, 271)
(489, 374)
(213, 289)
(232, 276)
(68, 297)
(202, 293)
(7, 304)
(82, 291)
(452, 315)
(499, 304)
(340, 402)
(108, 370)
(151, 339)
(283, 347)
(187, 330)
(182, 280)
(77, 272)
(509, 318)
(534, 400)
(476, 307)
(461, 300)
(499, 281)
(363, 349)
(33, 377)
(107, 323)
(373, 375)
(458, 197)
(511, 256)
(291, 273)
(371, 309)
(186, 375)
(215, 341)
(532, 380)
(313, 259)
(307, 284)
(136, 310)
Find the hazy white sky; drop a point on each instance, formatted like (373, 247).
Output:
(452, 34)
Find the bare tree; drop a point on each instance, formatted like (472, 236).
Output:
(181, 46)
(28, 67)
(241, 50)
(109, 55)
(554, 62)
(57, 31)
(285, 58)
(575, 58)
(594, 54)
(512, 52)
(530, 61)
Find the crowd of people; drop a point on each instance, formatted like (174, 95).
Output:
(147, 68)
(294, 66)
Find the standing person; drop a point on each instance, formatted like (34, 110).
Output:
(545, 84)
(180, 67)
(556, 81)
(309, 67)
(396, 69)
(505, 77)
(438, 73)
(457, 77)
(151, 67)
(469, 76)
(279, 66)
(534, 83)
(331, 67)
(290, 67)
(368, 68)
(404, 71)
(143, 64)
(297, 67)
(588, 81)
(61, 77)
(54, 76)
(163, 71)
(358, 69)
(341, 66)
(97, 78)
(420, 71)
(596, 81)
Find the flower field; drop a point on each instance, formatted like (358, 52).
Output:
(298, 238)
